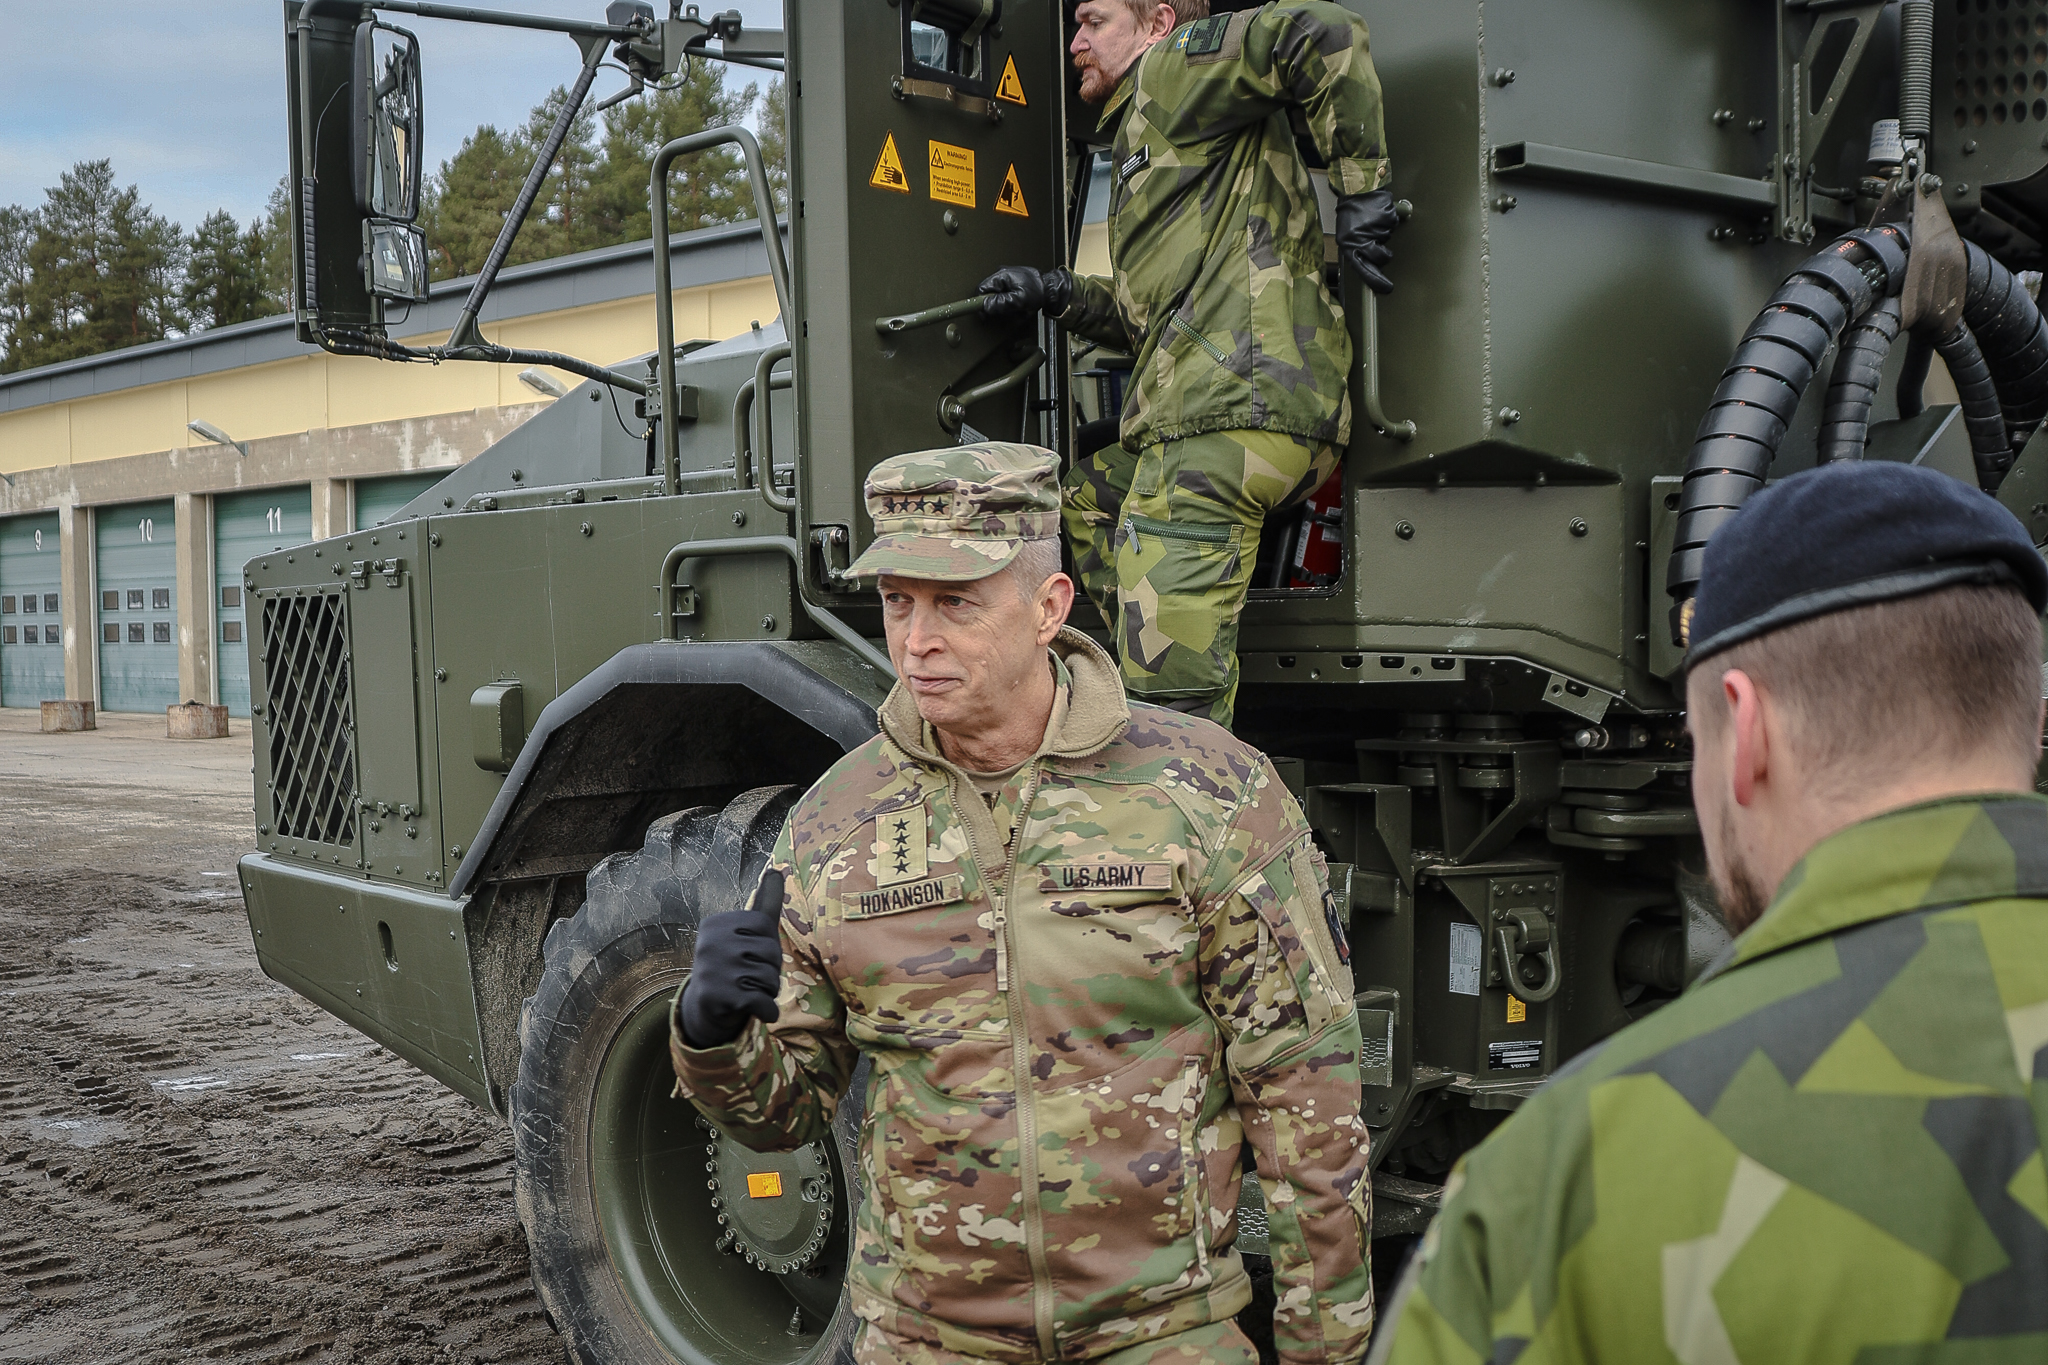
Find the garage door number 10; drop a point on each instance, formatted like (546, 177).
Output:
(147, 526)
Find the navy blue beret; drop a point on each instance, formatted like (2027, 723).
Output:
(1850, 533)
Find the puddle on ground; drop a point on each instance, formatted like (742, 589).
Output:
(181, 1084)
(316, 1056)
(88, 1132)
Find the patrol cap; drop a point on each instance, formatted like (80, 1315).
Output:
(1847, 534)
(959, 513)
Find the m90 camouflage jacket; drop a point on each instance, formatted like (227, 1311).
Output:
(1831, 1150)
(1076, 1033)
(1214, 233)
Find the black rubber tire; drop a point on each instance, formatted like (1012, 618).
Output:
(586, 1040)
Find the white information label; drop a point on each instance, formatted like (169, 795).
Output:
(1465, 955)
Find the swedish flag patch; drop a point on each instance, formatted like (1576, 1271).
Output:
(1204, 36)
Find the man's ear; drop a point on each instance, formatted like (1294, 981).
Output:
(1745, 718)
(1055, 602)
(1164, 21)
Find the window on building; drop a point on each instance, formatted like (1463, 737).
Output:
(28, 635)
(28, 603)
(162, 632)
(110, 601)
(110, 633)
(50, 603)
(135, 632)
(135, 599)
(160, 599)
(231, 632)
(6, 635)
(6, 606)
(231, 597)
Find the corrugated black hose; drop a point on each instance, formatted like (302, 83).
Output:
(1997, 355)
(1761, 388)
(1990, 446)
(1852, 389)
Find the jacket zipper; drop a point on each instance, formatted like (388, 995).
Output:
(1020, 1075)
(1215, 352)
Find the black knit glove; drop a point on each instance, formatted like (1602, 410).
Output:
(1017, 290)
(738, 970)
(1364, 222)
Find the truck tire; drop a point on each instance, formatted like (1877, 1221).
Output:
(631, 1256)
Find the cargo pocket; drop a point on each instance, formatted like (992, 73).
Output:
(1179, 585)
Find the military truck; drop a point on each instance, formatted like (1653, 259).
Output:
(514, 743)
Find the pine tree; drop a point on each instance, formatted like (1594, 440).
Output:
(704, 189)
(140, 294)
(17, 234)
(273, 245)
(565, 218)
(467, 200)
(774, 136)
(224, 273)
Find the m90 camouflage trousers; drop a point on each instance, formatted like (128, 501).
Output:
(1165, 542)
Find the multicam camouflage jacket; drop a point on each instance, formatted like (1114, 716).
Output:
(1214, 233)
(1831, 1150)
(1076, 1034)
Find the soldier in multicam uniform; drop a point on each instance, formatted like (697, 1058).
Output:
(1830, 1147)
(1085, 945)
(1240, 406)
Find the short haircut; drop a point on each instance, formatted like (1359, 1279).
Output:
(1184, 11)
(1893, 687)
(1036, 562)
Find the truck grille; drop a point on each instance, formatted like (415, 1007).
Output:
(312, 735)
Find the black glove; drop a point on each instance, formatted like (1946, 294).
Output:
(1364, 222)
(738, 969)
(1017, 290)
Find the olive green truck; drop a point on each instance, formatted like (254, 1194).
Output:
(513, 742)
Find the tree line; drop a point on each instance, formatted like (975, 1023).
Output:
(93, 268)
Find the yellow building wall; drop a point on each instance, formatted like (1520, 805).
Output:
(321, 391)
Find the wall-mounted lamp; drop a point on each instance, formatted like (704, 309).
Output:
(542, 383)
(217, 436)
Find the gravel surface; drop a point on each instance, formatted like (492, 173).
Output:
(194, 1162)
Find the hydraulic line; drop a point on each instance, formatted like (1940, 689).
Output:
(1859, 369)
(1989, 446)
(1913, 374)
(1997, 354)
(1761, 388)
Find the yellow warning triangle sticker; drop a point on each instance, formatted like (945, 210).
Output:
(889, 168)
(1009, 87)
(1010, 199)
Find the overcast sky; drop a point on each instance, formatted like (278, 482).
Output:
(188, 99)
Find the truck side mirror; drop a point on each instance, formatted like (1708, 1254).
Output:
(385, 157)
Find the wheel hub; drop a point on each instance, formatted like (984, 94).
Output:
(774, 1208)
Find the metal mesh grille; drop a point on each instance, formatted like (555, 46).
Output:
(312, 739)
(2001, 62)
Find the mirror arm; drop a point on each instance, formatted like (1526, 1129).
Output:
(465, 332)
(469, 14)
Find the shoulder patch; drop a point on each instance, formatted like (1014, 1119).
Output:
(1219, 38)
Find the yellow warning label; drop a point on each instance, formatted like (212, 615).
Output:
(1009, 87)
(764, 1185)
(1010, 199)
(952, 174)
(889, 168)
(1518, 1013)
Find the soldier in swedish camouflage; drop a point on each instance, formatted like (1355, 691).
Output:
(1831, 1146)
(1240, 406)
(1085, 945)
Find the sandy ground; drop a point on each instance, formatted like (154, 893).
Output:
(194, 1162)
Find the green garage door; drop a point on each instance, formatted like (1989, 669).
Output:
(137, 558)
(246, 525)
(377, 499)
(31, 627)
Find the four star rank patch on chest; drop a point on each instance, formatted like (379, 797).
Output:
(900, 853)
